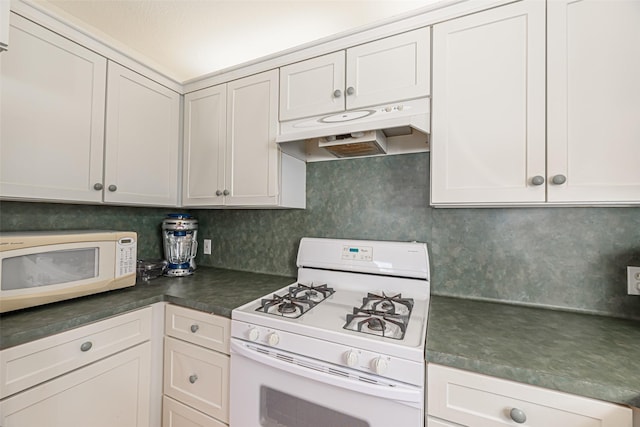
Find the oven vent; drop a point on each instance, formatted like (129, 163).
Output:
(284, 357)
(338, 373)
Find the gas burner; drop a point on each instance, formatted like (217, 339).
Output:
(388, 304)
(312, 291)
(286, 305)
(376, 322)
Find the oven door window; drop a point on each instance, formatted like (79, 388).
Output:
(281, 409)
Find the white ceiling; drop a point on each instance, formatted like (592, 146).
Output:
(185, 39)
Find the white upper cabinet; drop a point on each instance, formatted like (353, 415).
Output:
(497, 141)
(205, 135)
(488, 120)
(383, 71)
(52, 94)
(593, 108)
(230, 154)
(142, 140)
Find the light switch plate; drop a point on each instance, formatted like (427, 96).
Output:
(207, 247)
(633, 280)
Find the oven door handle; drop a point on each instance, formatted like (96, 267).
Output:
(392, 390)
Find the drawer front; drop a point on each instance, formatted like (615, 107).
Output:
(197, 377)
(200, 328)
(434, 422)
(482, 401)
(32, 363)
(175, 414)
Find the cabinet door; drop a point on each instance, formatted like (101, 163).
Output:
(594, 100)
(313, 87)
(142, 140)
(111, 392)
(205, 133)
(252, 155)
(488, 122)
(52, 101)
(4, 25)
(389, 70)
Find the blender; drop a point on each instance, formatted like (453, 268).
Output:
(179, 233)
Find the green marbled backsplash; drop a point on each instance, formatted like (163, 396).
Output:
(563, 257)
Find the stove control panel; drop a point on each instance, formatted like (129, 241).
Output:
(357, 253)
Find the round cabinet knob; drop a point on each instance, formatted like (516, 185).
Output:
(254, 334)
(559, 179)
(193, 378)
(351, 90)
(518, 415)
(273, 339)
(337, 93)
(226, 192)
(112, 188)
(537, 180)
(194, 328)
(98, 186)
(351, 358)
(379, 365)
(86, 346)
(218, 193)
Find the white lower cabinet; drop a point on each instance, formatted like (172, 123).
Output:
(474, 400)
(97, 375)
(196, 369)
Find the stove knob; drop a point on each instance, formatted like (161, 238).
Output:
(351, 357)
(379, 365)
(273, 339)
(254, 334)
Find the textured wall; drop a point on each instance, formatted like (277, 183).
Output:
(563, 257)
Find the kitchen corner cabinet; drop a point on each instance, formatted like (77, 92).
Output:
(230, 155)
(383, 71)
(496, 140)
(52, 97)
(458, 398)
(141, 141)
(196, 374)
(97, 375)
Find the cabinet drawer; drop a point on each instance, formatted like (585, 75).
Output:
(200, 328)
(175, 414)
(29, 364)
(482, 401)
(197, 377)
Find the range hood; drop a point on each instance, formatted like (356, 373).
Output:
(398, 128)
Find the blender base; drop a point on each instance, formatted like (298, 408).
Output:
(178, 272)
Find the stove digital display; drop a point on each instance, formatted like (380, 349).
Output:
(357, 253)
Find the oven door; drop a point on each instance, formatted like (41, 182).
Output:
(272, 388)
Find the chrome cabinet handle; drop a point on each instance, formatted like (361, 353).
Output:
(112, 188)
(537, 180)
(86, 346)
(98, 186)
(518, 415)
(559, 179)
(226, 192)
(351, 90)
(218, 193)
(337, 93)
(194, 328)
(193, 378)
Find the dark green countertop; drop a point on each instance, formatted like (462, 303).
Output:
(587, 355)
(209, 289)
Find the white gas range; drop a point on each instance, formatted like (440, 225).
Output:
(344, 345)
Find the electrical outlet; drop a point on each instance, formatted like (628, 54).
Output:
(207, 247)
(633, 280)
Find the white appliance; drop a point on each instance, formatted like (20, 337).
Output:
(46, 266)
(344, 345)
(396, 128)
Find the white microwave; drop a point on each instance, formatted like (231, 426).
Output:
(43, 267)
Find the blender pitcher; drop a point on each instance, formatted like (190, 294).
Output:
(179, 236)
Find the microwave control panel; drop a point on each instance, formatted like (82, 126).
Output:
(126, 253)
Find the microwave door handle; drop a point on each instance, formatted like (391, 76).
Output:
(400, 393)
